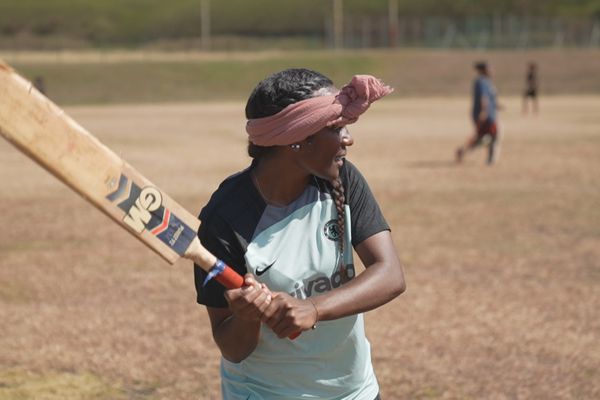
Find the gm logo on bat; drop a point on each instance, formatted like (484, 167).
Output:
(139, 215)
(144, 211)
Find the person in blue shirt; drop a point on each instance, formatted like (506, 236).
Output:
(484, 115)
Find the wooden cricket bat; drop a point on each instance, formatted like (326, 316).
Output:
(45, 133)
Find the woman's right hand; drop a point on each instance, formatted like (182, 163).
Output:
(249, 302)
(287, 315)
(236, 329)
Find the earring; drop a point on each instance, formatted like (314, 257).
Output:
(295, 146)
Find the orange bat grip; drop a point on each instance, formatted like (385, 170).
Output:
(232, 280)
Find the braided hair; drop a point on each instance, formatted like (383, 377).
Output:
(278, 91)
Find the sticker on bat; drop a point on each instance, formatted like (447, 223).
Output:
(139, 214)
(144, 211)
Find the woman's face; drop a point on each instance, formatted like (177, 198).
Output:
(322, 154)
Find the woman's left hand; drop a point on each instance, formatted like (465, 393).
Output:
(287, 315)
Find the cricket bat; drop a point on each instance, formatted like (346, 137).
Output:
(45, 133)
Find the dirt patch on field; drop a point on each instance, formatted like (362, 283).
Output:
(502, 263)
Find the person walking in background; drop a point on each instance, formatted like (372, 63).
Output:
(288, 223)
(484, 115)
(530, 95)
(40, 84)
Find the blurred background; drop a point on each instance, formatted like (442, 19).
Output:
(316, 24)
(502, 263)
(168, 50)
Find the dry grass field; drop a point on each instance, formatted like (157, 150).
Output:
(502, 263)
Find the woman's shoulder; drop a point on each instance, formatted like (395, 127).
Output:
(349, 166)
(234, 190)
(350, 174)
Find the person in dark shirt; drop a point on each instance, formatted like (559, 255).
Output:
(484, 115)
(530, 94)
(40, 84)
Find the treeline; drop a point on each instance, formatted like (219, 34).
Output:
(73, 23)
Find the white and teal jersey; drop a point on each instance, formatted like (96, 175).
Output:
(294, 249)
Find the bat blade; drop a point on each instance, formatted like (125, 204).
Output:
(45, 133)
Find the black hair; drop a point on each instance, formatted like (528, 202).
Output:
(481, 66)
(278, 91)
(283, 88)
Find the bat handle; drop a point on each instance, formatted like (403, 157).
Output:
(294, 335)
(232, 280)
(225, 275)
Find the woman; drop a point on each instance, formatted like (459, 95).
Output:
(287, 223)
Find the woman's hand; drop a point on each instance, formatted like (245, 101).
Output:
(287, 315)
(236, 329)
(249, 302)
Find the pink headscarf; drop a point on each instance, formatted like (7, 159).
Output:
(298, 121)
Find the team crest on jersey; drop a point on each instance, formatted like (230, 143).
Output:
(332, 230)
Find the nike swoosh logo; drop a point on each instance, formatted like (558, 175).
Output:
(259, 272)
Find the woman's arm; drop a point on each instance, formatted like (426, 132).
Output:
(382, 281)
(236, 330)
